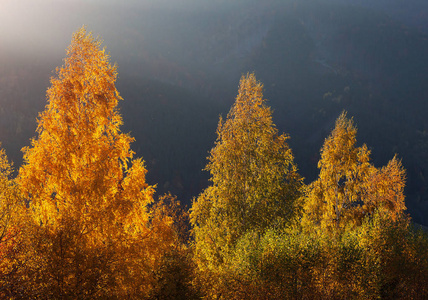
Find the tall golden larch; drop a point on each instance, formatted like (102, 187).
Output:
(87, 195)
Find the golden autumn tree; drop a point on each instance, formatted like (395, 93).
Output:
(349, 188)
(11, 208)
(9, 203)
(255, 183)
(87, 195)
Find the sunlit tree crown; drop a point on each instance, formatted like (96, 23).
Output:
(79, 166)
(349, 188)
(254, 179)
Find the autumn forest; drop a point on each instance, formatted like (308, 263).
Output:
(78, 219)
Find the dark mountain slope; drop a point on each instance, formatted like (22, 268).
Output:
(173, 130)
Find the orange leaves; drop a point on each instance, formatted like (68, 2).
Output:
(11, 222)
(386, 190)
(80, 149)
(86, 195)
(9, 201)
(349, 188)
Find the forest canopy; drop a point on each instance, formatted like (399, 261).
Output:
(79, 220)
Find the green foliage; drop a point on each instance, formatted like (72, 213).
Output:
(381, 259)
(393, 265)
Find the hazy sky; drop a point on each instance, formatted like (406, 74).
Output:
(40, 26)
(49, 24)
(46, 24)
(132, 30)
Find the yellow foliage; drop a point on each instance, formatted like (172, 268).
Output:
(255, 184)
(9, 201)
(349, 188)
(11, 236)
(87, 197)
